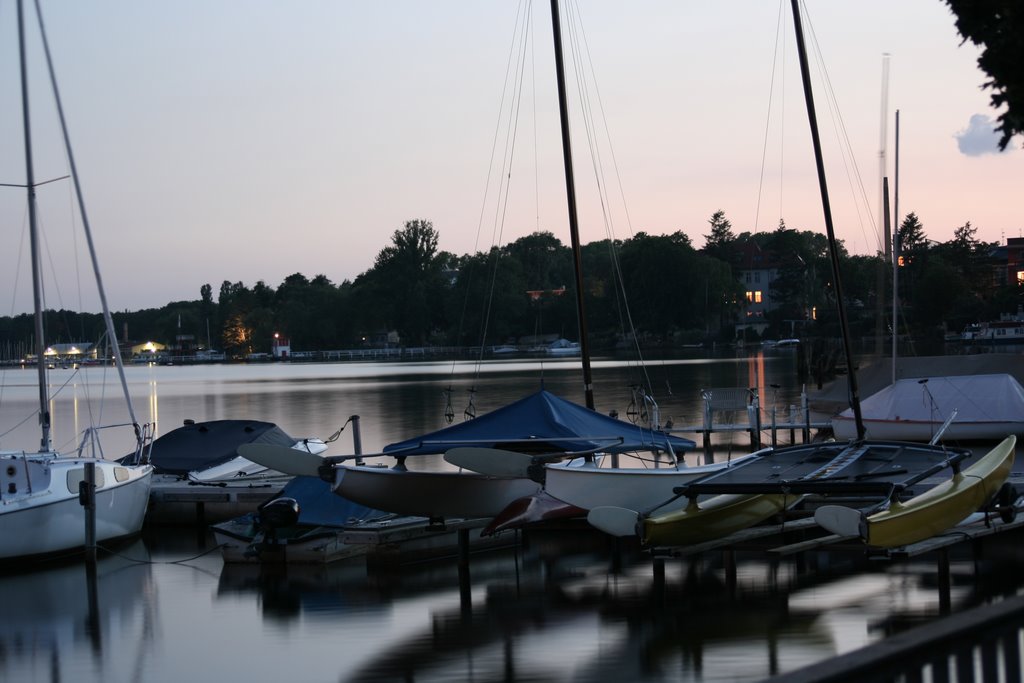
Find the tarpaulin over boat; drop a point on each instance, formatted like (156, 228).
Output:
(320, 506)
(542, 423)
(204, 444)
(981, 402)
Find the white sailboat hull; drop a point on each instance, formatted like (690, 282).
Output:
(43, 514)
(923, 431)
(430, 494)
(631, 488)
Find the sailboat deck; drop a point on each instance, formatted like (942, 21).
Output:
(829, 468)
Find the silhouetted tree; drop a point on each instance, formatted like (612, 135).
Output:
(997, 26)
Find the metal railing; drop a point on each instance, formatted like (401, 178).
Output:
(981, 644)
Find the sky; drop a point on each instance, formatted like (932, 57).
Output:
(248, 141)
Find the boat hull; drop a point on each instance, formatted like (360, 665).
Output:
(923, 431)
(428, 493)
(631, 488)
(713, 518)
(51, 520)
(931, 512)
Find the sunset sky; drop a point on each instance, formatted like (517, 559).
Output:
(247, 141)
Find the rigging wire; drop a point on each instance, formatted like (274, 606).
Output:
(768, 115)
(579, 48)
(467, 277)
(853, 174)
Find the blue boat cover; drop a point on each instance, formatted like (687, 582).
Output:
(550, 424)
(198, 445)
(320, 506)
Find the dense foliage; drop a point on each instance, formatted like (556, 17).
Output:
(662, 287)
(997, 27)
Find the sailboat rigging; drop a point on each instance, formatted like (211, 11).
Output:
(40, 499)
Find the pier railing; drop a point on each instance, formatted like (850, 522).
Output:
(982, 644)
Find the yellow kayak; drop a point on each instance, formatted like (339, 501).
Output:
(930, 513)
(712, 518)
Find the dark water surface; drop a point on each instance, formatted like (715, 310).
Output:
(562, 608)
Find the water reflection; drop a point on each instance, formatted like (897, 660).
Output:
(394, 400)
(534, 615)
(69, 623)
(565, 608)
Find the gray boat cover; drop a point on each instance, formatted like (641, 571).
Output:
(543, 423)
(200, 445)
(976, 398)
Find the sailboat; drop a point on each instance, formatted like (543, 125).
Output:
(761, 487)
(502, 459)
(46, 496)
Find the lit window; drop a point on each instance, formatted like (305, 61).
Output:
(757, 297)
(1020, 277)
(750, 297)
(814, 313)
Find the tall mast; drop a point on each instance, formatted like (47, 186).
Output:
(570, 195)
(33, 231)
(896, 252)
(827, 209)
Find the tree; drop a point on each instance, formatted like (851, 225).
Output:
(997, 26)
(405, 287)
(721, 243)
(911, 235)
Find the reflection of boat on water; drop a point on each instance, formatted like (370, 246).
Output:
(54, 616)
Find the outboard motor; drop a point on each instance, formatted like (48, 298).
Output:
(271, 517)
(277, 513)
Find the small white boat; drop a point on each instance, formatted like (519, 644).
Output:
(982, 407)
(588, 487)
(562, 347)
(40, 510)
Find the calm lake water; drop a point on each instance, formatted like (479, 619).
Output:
(168, 609)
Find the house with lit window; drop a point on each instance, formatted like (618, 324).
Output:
(756, 271)
(1014, 261)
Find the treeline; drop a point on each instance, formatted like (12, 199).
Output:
(661, 286)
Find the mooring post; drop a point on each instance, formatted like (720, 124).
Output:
(87, 497)
(944, 581)
(357, 439)
(465, 594)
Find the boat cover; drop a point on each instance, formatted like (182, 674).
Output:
(200, 445)
(319, 505)
(551, 424)
(976, 398)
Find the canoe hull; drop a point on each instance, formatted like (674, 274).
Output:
(430, 494)
(933, 511)
(714, 518)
